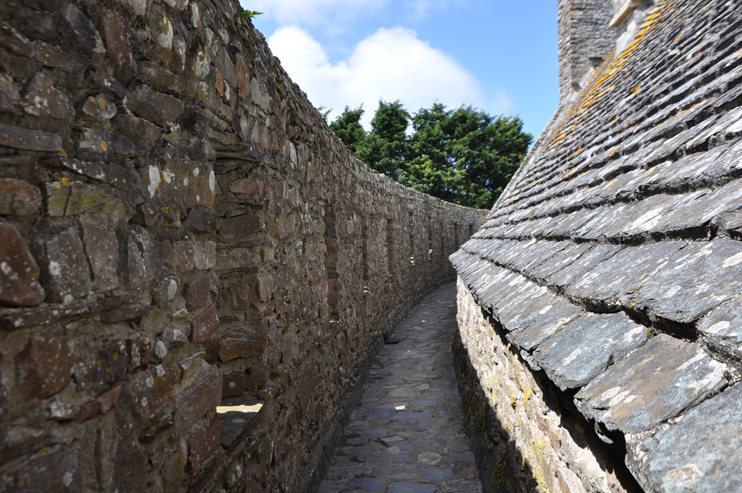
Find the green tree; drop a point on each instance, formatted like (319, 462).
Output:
(348, 128)
(384, 148)
(463, 156)
(430, 166)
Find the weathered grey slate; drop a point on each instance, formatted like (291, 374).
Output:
(551, 318)
(695, 280)
(723, 326)
(657, 382)
(623, 274)
(702, 453)
(584, 348)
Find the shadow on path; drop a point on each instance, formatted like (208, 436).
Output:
(406, 435)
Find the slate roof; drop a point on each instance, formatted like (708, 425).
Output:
(614, 259)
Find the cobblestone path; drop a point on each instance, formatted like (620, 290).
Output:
(407, 433)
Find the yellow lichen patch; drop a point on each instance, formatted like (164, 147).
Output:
(101, 103)
(635, 90)
(103, 145)
(65, 182)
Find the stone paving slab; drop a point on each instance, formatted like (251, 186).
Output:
(407, 433)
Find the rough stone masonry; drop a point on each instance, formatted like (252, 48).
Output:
(181, 231)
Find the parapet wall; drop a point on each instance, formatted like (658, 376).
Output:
(180, 230)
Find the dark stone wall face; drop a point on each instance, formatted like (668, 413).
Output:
(180, 230)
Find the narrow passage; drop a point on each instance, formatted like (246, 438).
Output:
(406, 435)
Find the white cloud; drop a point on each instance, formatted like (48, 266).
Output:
(391, 64)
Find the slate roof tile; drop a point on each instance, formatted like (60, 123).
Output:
(583, 349)
(683, 459)
(657, 382)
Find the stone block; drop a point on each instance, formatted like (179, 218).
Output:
(233, 384)
(174, 338)
(193, 402)
(230, 71)
(9, 95)
(145, 135)
(18, 271)
(244, 341)
(653, 384)
(120, 460)
(102, 366)
(201, 189)
(257, 377)
(160, 423)
(117, 34)
(80, 198)
(243, 73)
(41, 98)
(163, 80)
(202, 444)
(99, 107)
(205, 255)
(101, 405)
(98, 139)
(44, 365)
(67, 268)
(18, 198)
(180, 256)
(29, 140)
(240, 292)
(204, 324)
(142, 263)
(265, 286)
(102, 248)
(237, 258)
(239, 227)
(132, 312)
(148, 392)
(201, 221)
(154, 106)
(57, 468)
(82, 29)
(197, 293)
(139, 350)
(138, 7)
(113, 174)
(248, 186)
(165, 291)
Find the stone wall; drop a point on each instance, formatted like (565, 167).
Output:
(180, 230)
(584, 42)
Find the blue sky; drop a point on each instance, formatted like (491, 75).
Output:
(497, 55)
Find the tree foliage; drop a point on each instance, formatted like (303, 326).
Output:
(463, 156)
